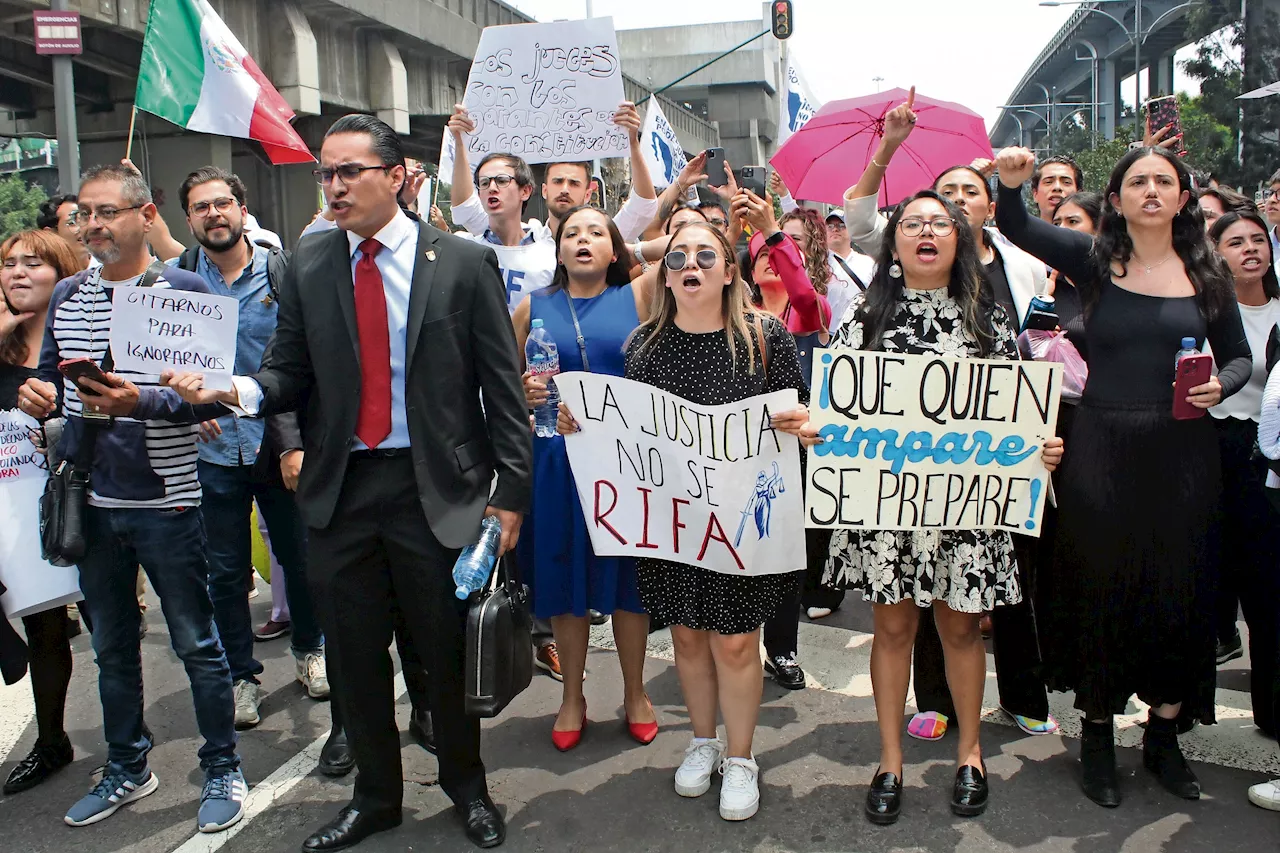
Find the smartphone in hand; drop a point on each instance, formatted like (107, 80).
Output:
(79, 369)
(752, 178)
(715, 167)
(1193, 371)
(1164, 111)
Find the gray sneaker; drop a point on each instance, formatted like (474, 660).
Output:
(116, 789)
(247, 699)
(313, 673)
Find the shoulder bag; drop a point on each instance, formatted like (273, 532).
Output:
(499, 642)
(63, 541)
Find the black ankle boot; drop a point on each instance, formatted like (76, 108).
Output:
(1163, 757)
(1098, 763)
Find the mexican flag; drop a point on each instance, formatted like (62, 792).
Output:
(195, 73)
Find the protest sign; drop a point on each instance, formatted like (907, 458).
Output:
(660, 477)
(796, 103)
(31, 585)
(546, 92)
(913, 442)
(156, 328)
(662, 152)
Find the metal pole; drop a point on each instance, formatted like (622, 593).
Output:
(1137, 66)
(702, 66)
(1244, 25)
(64, 109)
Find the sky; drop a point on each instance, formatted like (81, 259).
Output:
(980, 49)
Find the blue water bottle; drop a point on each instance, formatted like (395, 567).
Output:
(543, 358)
(1188, 348)
(476, 561)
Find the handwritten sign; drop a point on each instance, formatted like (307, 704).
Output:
(914, 442)
(661, 477)
(546, 92)
(154, 328)
(31, 585)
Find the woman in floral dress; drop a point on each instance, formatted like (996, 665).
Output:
(927, 297)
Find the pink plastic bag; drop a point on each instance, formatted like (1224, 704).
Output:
(1054, 346)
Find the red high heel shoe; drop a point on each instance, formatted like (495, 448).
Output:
(565, 741)
(643, 733)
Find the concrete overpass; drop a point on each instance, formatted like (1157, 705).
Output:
(404, 60)
(1085, 63)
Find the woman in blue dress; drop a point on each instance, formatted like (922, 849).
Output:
(592, 282)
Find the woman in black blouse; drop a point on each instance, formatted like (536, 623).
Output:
(32, 263)
(1129, 599)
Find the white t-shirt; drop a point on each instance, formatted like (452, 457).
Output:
(842, 288)
(1246, 404)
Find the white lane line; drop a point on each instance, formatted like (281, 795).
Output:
(271, 789)
(17, 710)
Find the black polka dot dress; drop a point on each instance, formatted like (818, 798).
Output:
(698, 368)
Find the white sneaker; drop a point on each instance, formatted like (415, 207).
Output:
(246, 697)
(740, 790)
(693, 776)
(816, 613)
(1266, 795)
(313, 673)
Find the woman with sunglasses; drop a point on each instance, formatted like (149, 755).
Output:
(1249, 557)
(589, 309)
(32, 263)
(1129, 599)
(705, 342)
(928, 297)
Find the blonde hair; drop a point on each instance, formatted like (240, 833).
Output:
(736, 308)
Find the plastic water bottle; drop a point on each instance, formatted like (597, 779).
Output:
(1188, 348)
(476, 561)
(543, 358)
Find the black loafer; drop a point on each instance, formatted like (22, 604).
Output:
(349, 828)
(969, 796)
(484, 826)
(41, 763)
(785, 671)
(421, 731)
(884, 799)
(336, 758)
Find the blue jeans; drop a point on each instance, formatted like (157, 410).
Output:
(229, 492)
(169, 545)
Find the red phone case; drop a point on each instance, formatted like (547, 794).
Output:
(1193, 370)
(76, 369)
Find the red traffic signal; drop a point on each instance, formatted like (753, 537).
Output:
(783, 22)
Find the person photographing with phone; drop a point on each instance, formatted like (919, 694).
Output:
(137, 441)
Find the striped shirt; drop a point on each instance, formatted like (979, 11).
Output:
(81, 325)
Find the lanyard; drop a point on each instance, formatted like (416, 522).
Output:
(582, 342)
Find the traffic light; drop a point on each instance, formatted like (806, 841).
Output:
(783, 22)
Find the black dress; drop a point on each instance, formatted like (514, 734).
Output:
(698, 368)
(1127, 605)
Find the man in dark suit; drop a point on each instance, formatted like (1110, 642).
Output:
(392, 333)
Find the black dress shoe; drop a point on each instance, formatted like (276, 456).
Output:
(421, 731)
(336, 758)
(485, 827)
(785, 671)
(884, 799)
(41, 763)
(969, 796)
(1098, 763)
(349, 828)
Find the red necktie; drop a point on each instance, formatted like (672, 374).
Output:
(374, 422)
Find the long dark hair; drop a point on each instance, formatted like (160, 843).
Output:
(618, 273)
(1270, 283)
(976, 300)
(1208, 272)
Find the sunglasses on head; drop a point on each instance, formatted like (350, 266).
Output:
(675, 261)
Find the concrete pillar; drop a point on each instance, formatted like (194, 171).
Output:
(388, 83)
(1109, 94)
(1160, 77)
(295, 62)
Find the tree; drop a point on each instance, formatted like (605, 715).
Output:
(19, 204)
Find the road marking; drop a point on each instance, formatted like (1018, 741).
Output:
(271, 789)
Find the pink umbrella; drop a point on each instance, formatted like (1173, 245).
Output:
(827, 156)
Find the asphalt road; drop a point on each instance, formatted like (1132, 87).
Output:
(817, 749)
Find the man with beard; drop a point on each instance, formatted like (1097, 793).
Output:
(236, 464)
(143, 506)
(1055, 178)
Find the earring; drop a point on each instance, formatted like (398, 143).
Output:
(895, 271)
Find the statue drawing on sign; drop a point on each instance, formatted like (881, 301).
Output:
(662, 151)
(760, 504)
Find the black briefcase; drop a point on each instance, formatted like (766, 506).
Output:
(499, 642)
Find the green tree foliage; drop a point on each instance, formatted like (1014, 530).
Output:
(19, 204)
